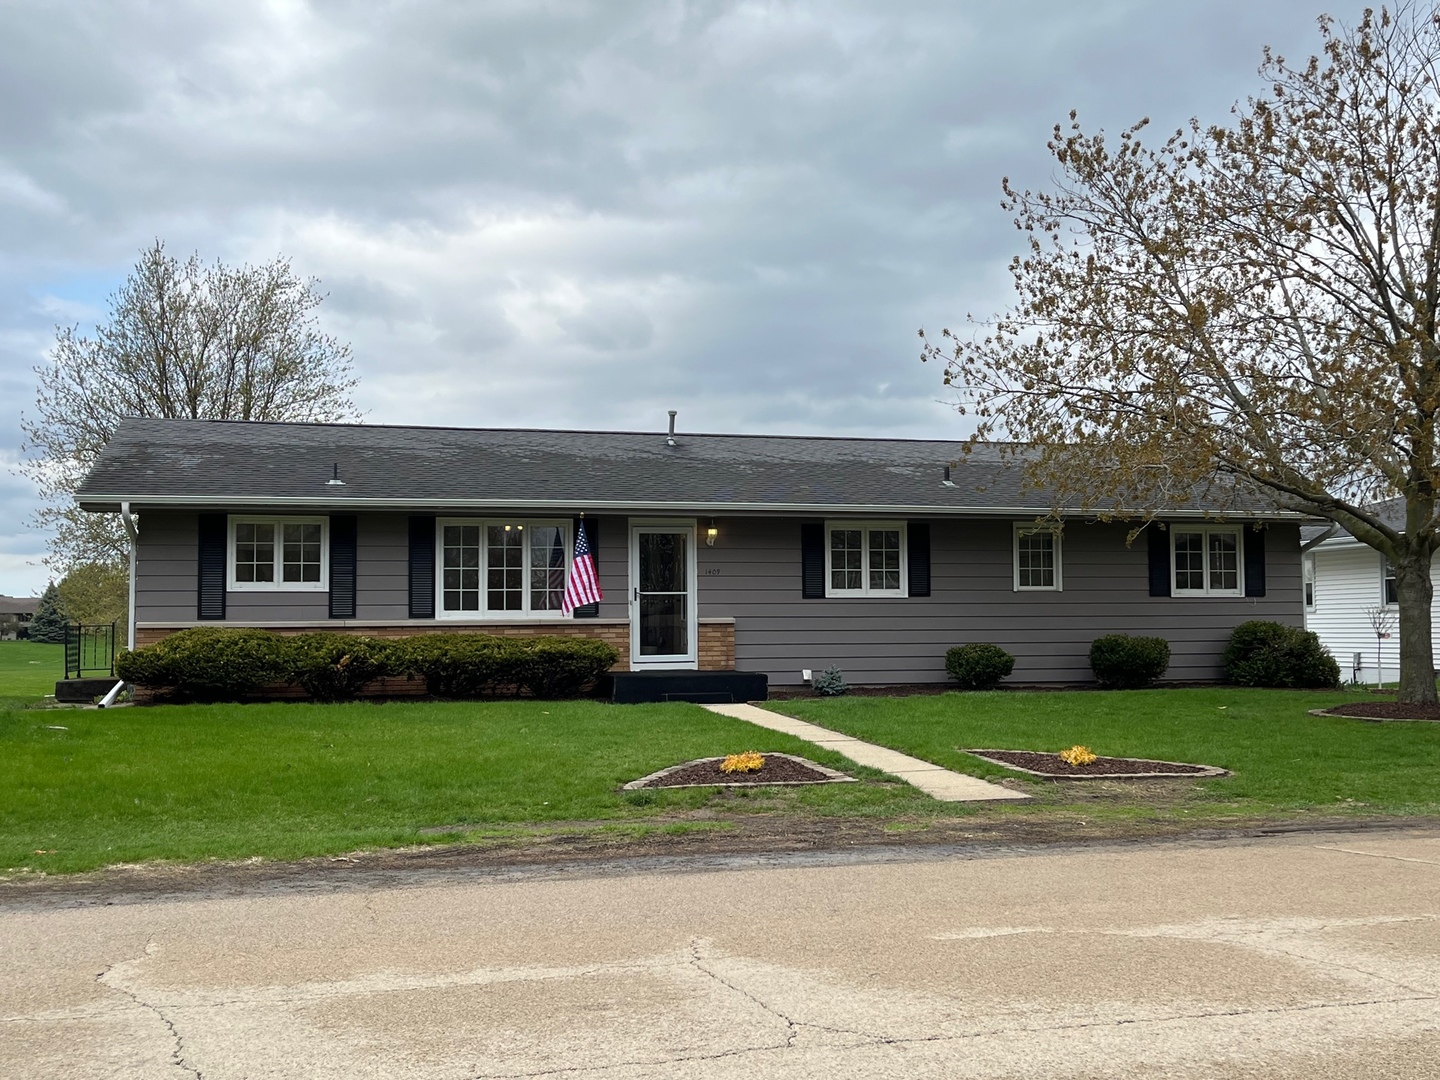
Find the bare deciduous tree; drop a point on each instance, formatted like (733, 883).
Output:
(183, 339)
(1252, 303)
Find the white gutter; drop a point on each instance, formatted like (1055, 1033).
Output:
(569, 505)
(134, 534)
(1318, 540)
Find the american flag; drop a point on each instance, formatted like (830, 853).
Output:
(582, 587)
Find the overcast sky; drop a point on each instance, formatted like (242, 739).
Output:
(573, 214)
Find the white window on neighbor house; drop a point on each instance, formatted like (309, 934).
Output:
(1205, 561)
(1307, 573)
(865, 558)
(1037, 558)
(1388, 594)
(281, 554)
(511, 569)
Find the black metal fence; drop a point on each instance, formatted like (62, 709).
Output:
(89, 650)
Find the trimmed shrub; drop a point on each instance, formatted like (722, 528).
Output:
(207, 663)
(334, 667)
(979, 665)
(552, 667)
(456, 665)
(1120, 661)
(829, 683)
(1264, 653)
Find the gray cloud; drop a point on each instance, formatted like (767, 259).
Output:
(578, 213)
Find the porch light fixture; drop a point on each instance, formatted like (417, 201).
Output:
(711, 533)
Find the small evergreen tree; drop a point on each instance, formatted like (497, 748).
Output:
(48, 626)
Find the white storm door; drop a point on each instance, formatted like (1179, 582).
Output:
(662, 596)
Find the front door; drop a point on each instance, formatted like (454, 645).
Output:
(662, 596)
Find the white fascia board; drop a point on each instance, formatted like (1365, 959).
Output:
(670, 507)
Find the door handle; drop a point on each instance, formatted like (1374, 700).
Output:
(636, 597)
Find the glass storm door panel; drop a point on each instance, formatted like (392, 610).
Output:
(662, 595)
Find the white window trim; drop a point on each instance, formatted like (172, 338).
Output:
(323, 585)
(484, 613)
(865, 590)
(1208, 530)
(1024, 529)
(1384, 601)
(1308, 576)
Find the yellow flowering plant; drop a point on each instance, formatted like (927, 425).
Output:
(1077, 755)
(750, 761)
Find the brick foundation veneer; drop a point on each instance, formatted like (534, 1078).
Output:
(716, 645)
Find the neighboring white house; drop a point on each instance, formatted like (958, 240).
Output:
(1344, 580)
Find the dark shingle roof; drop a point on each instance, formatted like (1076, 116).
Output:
(152, 462)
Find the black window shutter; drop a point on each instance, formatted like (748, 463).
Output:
(1159, 560)
(214, 534)
(422, 568)
(918, 556)
(1254, 562)
(592, 537)
(342, 567)
(812, 560)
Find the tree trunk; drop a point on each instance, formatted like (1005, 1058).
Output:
(1415, 592)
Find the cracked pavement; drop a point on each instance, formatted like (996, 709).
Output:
(1289, 957)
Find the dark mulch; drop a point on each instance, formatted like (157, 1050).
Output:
(1386, 710)
(1101, 766)
(776, 770)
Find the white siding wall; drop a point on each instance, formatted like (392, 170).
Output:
(1347, 585)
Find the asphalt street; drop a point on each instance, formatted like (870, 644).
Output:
(1293, 957)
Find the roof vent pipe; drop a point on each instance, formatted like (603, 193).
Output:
(947, 481)
(670, 439)
(335, 480)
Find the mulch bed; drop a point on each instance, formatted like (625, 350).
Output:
(1053, 766)
(705, 772)
(1383, 710)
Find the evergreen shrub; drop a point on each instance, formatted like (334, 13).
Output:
(1121, 662)
(1264, 653)
(829, 683)
(48, 625)
(207, 663)
(334, 667)
(979, 665)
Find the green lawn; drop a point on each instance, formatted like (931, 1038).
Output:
(1283, 759)
(80, 788)
(29, 670)
(85, 787)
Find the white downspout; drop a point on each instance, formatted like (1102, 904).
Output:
(134, 535)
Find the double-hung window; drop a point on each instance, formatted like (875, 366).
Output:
(282, 554)
(1206, 562)
(1037, 558)
(1389, 596)
(511, 569)
(865, 558)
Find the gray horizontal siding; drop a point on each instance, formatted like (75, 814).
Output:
(166, 575)
(166, 566)
(756, 581)
(877, 640)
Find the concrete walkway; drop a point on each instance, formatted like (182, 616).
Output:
(936, 782)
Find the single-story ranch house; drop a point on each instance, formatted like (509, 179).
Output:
(767, 554)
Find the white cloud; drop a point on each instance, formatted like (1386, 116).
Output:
(580, 212)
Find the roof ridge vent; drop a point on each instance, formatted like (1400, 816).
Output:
(670, 439)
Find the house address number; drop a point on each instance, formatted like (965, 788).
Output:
(712, 571)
